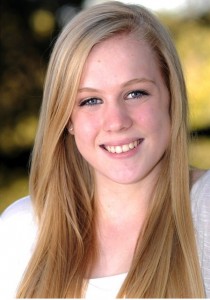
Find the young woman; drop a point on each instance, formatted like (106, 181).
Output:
(114, 209)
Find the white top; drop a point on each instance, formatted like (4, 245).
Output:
(18, 236)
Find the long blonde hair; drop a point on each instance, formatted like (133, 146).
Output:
(165, 262)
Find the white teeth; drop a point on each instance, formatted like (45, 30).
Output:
(118, 149)
(123, 148)
(112, 149)
(131, 145)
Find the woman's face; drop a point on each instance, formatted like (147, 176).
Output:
(121, 117)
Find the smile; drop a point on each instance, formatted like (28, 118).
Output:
(123, 148)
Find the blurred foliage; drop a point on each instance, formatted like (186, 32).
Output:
(192, 37)
(28, 31)
(199, 152)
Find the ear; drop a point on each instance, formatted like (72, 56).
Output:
(70, 128)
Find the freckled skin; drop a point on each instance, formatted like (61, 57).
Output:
(119, 117)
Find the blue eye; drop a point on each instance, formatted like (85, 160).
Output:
(136, 94)
(90, 101)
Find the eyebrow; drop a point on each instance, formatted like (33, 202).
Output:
(137, 80)
(127, 83)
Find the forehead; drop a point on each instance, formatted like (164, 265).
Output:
(123, 56)
(124, 39)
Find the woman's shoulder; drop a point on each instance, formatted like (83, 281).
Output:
(200, 185)
(200, 194)
(19, 214)
(200, 202)
(200, 198)
(18, 220)
(196, 174)
(18, 231)
(21, 207)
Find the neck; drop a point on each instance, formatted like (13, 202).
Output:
(120, 214)
(122, 202)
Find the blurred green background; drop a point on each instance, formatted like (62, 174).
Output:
(28, 31)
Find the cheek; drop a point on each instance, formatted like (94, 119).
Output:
(84, 127)
(155, 120)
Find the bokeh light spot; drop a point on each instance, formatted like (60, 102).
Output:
(42, 22)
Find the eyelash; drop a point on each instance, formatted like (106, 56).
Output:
(88, 102)
(97, 101)
(141, 93)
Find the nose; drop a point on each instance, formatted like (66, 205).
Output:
(116, 118)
